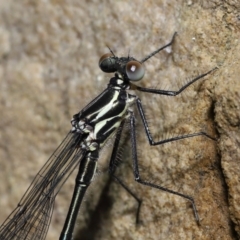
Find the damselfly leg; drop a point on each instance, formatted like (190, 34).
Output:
(137, 177)
(112, 168)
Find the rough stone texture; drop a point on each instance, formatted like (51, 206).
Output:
(49, 53)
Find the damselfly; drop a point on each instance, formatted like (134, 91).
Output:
(101, 119)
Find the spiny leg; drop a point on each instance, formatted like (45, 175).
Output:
(160, 49)
(153, 143)
(113, 165)
(137, 174)
(170, 92)
(149, 136)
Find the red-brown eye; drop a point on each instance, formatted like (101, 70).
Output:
(107, 63)
(134, 70)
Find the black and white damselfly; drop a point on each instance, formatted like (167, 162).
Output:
(102, 118)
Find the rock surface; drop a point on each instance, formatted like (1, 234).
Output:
(49, 53)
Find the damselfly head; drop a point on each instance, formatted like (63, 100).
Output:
(128, 67)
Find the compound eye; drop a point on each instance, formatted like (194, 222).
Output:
(135, 70)
(107, 63)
